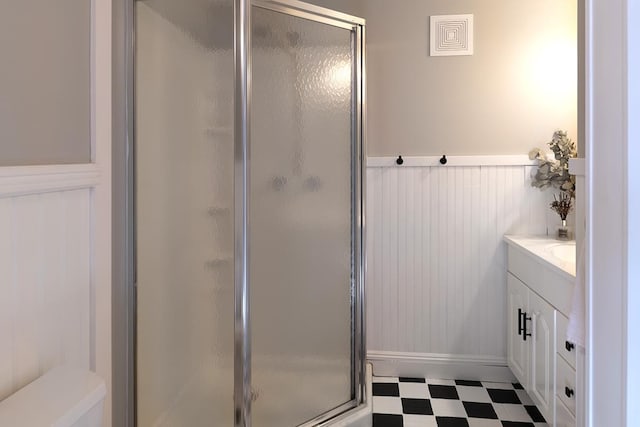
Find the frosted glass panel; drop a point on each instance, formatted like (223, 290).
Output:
(300, 218)
(45, 82)
(184, 215)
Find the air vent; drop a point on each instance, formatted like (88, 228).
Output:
(451, 35)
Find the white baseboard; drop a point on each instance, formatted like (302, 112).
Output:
(440, 366)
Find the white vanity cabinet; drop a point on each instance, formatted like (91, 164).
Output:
(532, 343)
(517, 347)
(538, 301)
(543, 344)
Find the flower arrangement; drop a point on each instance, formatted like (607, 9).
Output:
(562, 205)
(554, 172)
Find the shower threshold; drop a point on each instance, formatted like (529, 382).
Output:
(361, 416)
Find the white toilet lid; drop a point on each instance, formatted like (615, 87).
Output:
(58, 398)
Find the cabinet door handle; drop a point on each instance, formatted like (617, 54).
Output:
(519, 321)
(525, 334)
(569, 392)
(569, 345)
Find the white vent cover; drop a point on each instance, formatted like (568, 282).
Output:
(451, 35)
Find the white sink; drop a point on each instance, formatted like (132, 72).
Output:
(558, 254)
(563, 251)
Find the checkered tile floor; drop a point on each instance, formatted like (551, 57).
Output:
(413, 402)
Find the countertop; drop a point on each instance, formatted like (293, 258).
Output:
(542, 248)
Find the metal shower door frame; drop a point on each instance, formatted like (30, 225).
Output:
(242, 158)
(126, 305)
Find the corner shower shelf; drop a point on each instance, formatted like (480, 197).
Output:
(218, 210)
(216, 263)
(219, 131)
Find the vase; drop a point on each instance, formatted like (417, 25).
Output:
(563, 231)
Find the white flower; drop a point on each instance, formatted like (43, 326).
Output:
(553, 169)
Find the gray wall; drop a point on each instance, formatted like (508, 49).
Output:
(511, 95)
(45, 82)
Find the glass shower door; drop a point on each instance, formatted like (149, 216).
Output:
(303, 214)
(184, 74)
(298, 352)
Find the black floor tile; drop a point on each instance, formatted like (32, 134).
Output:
(412, 380)
(422, 408)
(516, 424)
(387, 420)
(452, 422)
(480, 410)
(416, 406)
(443, 391)
(469, 383)
(535, 414)
(386, 389)
(503, 396)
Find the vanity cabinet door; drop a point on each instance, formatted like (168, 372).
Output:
(564, 417)
(517, 347)
(542, 362)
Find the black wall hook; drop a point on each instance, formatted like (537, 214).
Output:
(399, 160)
(443, 160)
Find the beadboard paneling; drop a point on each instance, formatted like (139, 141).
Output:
(436, 261)
(45, 284)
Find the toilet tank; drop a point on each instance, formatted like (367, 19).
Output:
(63, 397)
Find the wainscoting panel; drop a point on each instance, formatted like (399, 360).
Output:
(436, 262)
(45, 283)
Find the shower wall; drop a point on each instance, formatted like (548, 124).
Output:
(184, 200)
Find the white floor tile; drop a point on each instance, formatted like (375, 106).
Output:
(473, 394)
(510, 412)
(419, 421)
(416, 390)
(452, 407)
(387, 405)
(448, 408)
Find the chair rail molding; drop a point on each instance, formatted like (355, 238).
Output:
(452, 161)
(24, 180)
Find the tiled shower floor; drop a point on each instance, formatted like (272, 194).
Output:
(413, 402)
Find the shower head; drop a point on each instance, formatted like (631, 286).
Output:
(293, 37)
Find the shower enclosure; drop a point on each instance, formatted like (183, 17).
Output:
(247, 217)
